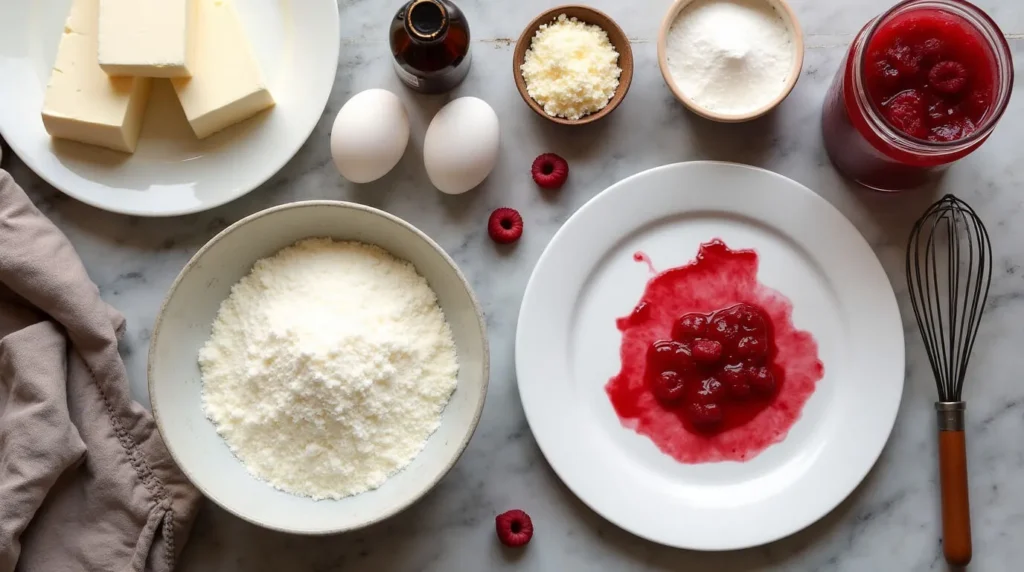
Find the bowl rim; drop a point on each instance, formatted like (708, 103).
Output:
(485, 359)
(788, 16)
(526, 39)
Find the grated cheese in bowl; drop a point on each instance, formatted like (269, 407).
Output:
(571, 68)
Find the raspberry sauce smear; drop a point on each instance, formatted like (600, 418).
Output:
(712, 367)
(923, 85)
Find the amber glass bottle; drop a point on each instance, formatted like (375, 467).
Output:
(430, 44)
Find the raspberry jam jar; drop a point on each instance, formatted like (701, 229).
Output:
(922, 86)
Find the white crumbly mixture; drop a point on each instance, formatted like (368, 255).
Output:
(571, 68)
(730, 56)
(329, 366)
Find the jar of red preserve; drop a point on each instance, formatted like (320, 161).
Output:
(922, 86)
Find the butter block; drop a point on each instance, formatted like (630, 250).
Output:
(148, 38)
(83, 103)
(227, 85)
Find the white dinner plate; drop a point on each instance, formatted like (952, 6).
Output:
(172, 172)
(567, 349)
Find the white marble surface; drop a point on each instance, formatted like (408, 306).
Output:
(890, 523)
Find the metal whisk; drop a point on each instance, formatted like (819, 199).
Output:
(949, 271)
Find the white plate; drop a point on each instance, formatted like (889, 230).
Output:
(172, 172)
(567, 348)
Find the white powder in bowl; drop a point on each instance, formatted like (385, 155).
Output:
(328, 368)
(730, 56)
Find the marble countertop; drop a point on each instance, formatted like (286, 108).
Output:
(889, 523)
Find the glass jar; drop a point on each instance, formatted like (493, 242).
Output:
(430, 45)
(865, 147)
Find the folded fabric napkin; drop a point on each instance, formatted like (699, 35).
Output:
(86, 482)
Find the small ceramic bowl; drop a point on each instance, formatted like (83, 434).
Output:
(183, 327)
(590, 16)
(788, 16)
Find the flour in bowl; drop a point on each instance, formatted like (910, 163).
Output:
(730, 56)
(329, 366)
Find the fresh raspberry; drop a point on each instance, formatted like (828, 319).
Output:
(550, 171)
(948, 77)
(706, 351)
(705, 416)
(762, 381)
(514, 528)
(505, 225)
(689, 327)
(905, 111)
(668, 387)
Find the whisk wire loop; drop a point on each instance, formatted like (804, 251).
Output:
(949, 272)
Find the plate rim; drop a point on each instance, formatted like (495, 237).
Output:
(240, 190)
(485, 362)
(767, 538)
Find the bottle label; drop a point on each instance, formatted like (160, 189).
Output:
(408, 78)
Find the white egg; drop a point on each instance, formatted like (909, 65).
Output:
(461, 146)
(369, 135)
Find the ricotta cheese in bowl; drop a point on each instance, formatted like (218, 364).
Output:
(573, 65)
(571, 68)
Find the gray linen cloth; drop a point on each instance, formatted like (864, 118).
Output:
(86, 483)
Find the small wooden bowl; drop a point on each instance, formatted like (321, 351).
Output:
(788, 16)
(590, 16)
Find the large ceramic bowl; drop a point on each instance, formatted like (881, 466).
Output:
(183, 326)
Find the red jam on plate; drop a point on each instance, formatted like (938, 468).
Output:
(713, 363)
(921, 87)
(712, 367)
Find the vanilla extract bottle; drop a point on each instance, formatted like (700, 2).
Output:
(430, 44)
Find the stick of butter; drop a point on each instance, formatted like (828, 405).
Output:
(148, 38)
(227, 85)
(82, 103)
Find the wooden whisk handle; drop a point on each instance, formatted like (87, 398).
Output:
(956, 505)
